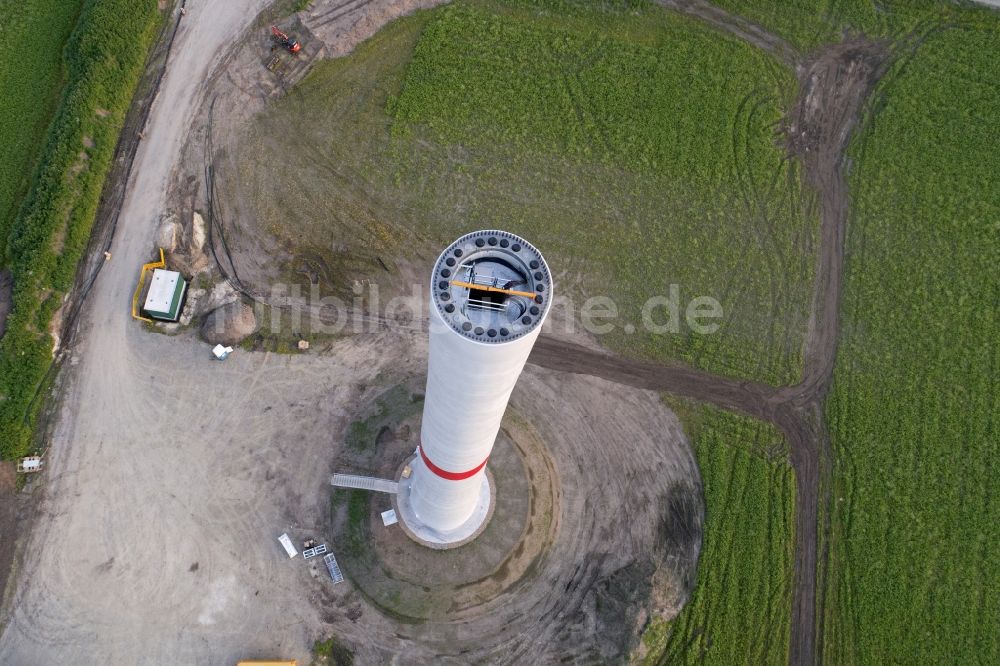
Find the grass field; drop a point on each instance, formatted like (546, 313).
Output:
(31, 79)
(638, 148)
(740, 610)
(808, 24)
(914, 412)
(103, 58)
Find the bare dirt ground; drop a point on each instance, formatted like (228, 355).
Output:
(627, 519)
(169, 475)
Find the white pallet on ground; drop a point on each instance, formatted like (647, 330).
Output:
(364, 483)
(286, 543)
(313, 552)
(333, 568)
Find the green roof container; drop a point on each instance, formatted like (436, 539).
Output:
(165, 296)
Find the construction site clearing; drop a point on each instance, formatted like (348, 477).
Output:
(595, 523)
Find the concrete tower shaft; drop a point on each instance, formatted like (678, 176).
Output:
(490, 294)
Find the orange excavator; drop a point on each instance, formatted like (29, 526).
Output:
(284, 40)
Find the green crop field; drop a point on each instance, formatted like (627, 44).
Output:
(915, 409)
(913, 413)
(638, 147)
(740, 610)
(102, 59)
(31, 76)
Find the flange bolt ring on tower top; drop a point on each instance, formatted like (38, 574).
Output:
(490, 294)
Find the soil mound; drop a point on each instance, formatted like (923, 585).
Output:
(229, 324)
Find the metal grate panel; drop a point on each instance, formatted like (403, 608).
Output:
(313, 552)
(331, 565)
(364, 483)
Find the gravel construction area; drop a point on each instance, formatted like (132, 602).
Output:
(171, 475)
(613, 505)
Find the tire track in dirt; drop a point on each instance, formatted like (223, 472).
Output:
(834, 89)
(760, 223)
(738, 27)
(338, 11)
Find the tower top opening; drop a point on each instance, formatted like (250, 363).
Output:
(491, 286)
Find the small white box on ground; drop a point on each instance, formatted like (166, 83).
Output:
(221, 352)
(389, 517)
(288, 546)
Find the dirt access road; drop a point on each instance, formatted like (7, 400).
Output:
(86, 573)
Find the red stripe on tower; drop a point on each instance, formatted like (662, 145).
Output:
(451, 476)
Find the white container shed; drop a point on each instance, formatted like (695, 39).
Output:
(165, 297)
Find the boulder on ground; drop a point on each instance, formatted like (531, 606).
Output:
(229, 324)
(194, 304)
(221, 294)
(169, 233)
(201, 301)
(197, 233)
